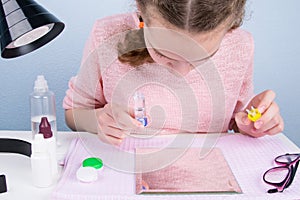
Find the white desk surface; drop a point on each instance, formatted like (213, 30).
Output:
(17, 168)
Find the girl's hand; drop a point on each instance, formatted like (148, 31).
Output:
(270, 122)
(115, 123)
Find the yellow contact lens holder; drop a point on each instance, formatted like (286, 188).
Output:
(253, 114)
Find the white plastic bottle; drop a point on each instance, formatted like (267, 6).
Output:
(45, 130)
(42, 104)
(41, 163)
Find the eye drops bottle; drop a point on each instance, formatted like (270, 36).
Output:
(139, 108)
(42, 104)
(45, 130)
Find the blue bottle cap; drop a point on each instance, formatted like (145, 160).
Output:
(143, 121)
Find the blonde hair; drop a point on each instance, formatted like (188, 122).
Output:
(194, 16)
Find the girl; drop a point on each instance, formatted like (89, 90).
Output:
(189, 59)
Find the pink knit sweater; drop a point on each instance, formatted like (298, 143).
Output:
(204, 100)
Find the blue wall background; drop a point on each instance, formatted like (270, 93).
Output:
(274, 25)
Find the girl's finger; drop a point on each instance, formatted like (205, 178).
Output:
(267, 118)
(115, 132)
(127, 122)
(108, 126)
(276, 129)
(275, 121)
(241, 119)
(109, 139)
(263, 100)
(123, 118)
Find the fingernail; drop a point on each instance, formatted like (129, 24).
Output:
(117, 143)
(258, 124)
(120, 141)
(245, 120)
(139, 124)
(261, 109)
(126, 133)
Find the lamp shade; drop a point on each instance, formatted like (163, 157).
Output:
(25, 26)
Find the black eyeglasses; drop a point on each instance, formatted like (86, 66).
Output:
(282, 177)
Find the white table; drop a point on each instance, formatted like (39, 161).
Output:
(18, 170)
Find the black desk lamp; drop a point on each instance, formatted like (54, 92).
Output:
(24, 27)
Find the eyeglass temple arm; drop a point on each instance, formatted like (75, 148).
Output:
(273, 190)
(293, 173)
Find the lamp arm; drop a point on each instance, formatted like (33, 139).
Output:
(9, 145)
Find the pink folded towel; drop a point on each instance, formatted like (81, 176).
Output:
(248, 158)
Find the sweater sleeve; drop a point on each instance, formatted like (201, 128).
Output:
(85, 89)
(246, 92)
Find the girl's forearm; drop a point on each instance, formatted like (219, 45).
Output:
(82, 120)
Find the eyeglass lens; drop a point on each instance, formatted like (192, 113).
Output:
(276, 175)
(288, 158)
